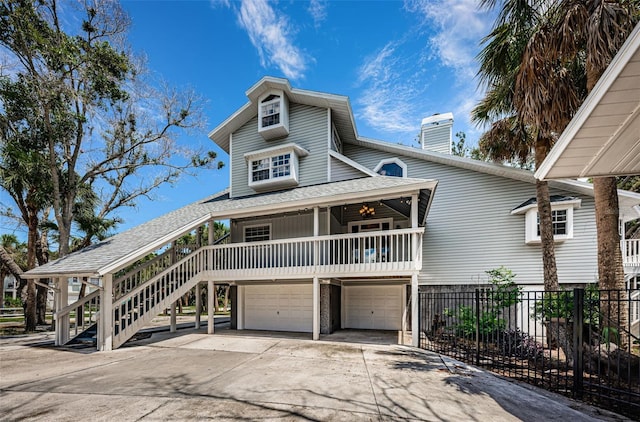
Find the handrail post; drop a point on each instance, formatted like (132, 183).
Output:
(415, 312)
(578, 320)
(105, 343)
(477, 303)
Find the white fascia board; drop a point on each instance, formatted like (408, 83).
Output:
(268, 152)
(570, 185)
(350, 162)
(266, 83)
(426, 211)
(27, 276)
(451, 160)
(332, 200)
(169, 237)
(577, 203)
(607, 79)
(222, 133)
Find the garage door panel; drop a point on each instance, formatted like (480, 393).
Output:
(279, 308)
(373, 307)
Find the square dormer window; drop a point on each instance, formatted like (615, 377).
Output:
(273, 116)
(562, 208)
(273, 168)
(270, 111)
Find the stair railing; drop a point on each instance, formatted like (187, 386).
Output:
(86, 314)
(136, 308)
(149, 269)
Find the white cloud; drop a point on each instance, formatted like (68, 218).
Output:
(397, 79)
(392, 91)
(318, 10)
(270, 33)
(459, 26)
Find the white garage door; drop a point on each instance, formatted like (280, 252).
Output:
(373, 307)
(279, 308)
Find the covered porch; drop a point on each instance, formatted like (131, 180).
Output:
(129, 288)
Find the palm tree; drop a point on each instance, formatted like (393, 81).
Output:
(510, 135)
(578, 33)
(13, 260)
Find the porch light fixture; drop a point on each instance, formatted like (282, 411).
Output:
(367, 211)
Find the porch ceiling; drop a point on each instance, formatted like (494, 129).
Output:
(121, 250)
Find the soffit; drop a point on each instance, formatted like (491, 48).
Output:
(603, 138)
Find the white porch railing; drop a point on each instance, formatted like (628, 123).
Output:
(357, 254)
(391, 252)
(631, 252)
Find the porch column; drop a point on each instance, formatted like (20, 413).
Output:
(415, 334)
(211, 232)
(316, 308)
(414, 211)
(415, 327)
(198, 304)
(240, 308)
(57, 306)
(316, 233)
(172, 324)
(64, 322)
(414, 225)
(328, 221)
(199, 232)
(105, 342)
(211, 295)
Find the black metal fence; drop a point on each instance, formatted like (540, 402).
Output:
(582, 342)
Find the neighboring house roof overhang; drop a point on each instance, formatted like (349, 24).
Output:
(116, 252)
(339, 105)
(603, 138)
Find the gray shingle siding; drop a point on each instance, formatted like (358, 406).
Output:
(470, 229)
(282, 227)
(438, 139)
(308, 128)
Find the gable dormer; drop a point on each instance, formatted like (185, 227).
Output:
(273, 115)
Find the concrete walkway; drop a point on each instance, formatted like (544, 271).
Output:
(234, 376)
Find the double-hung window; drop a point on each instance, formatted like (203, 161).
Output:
(562, 208)
(271, 168)
(270, 108)
(273, 115)
(559, 222)
(257, 233)
(274, 167)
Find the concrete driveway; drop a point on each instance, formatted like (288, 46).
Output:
(249, 376)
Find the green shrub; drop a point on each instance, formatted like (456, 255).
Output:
(493, 302)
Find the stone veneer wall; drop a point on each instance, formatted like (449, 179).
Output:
(329, 308)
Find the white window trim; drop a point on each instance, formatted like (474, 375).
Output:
(263, 104)
(249, 226)
(531, 221)
(291, 179)
(395, 160)
(360, 223)
(281, 128)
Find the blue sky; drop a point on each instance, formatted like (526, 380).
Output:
(397, 61)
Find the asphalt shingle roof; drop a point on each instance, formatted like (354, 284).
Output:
(138, 241)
